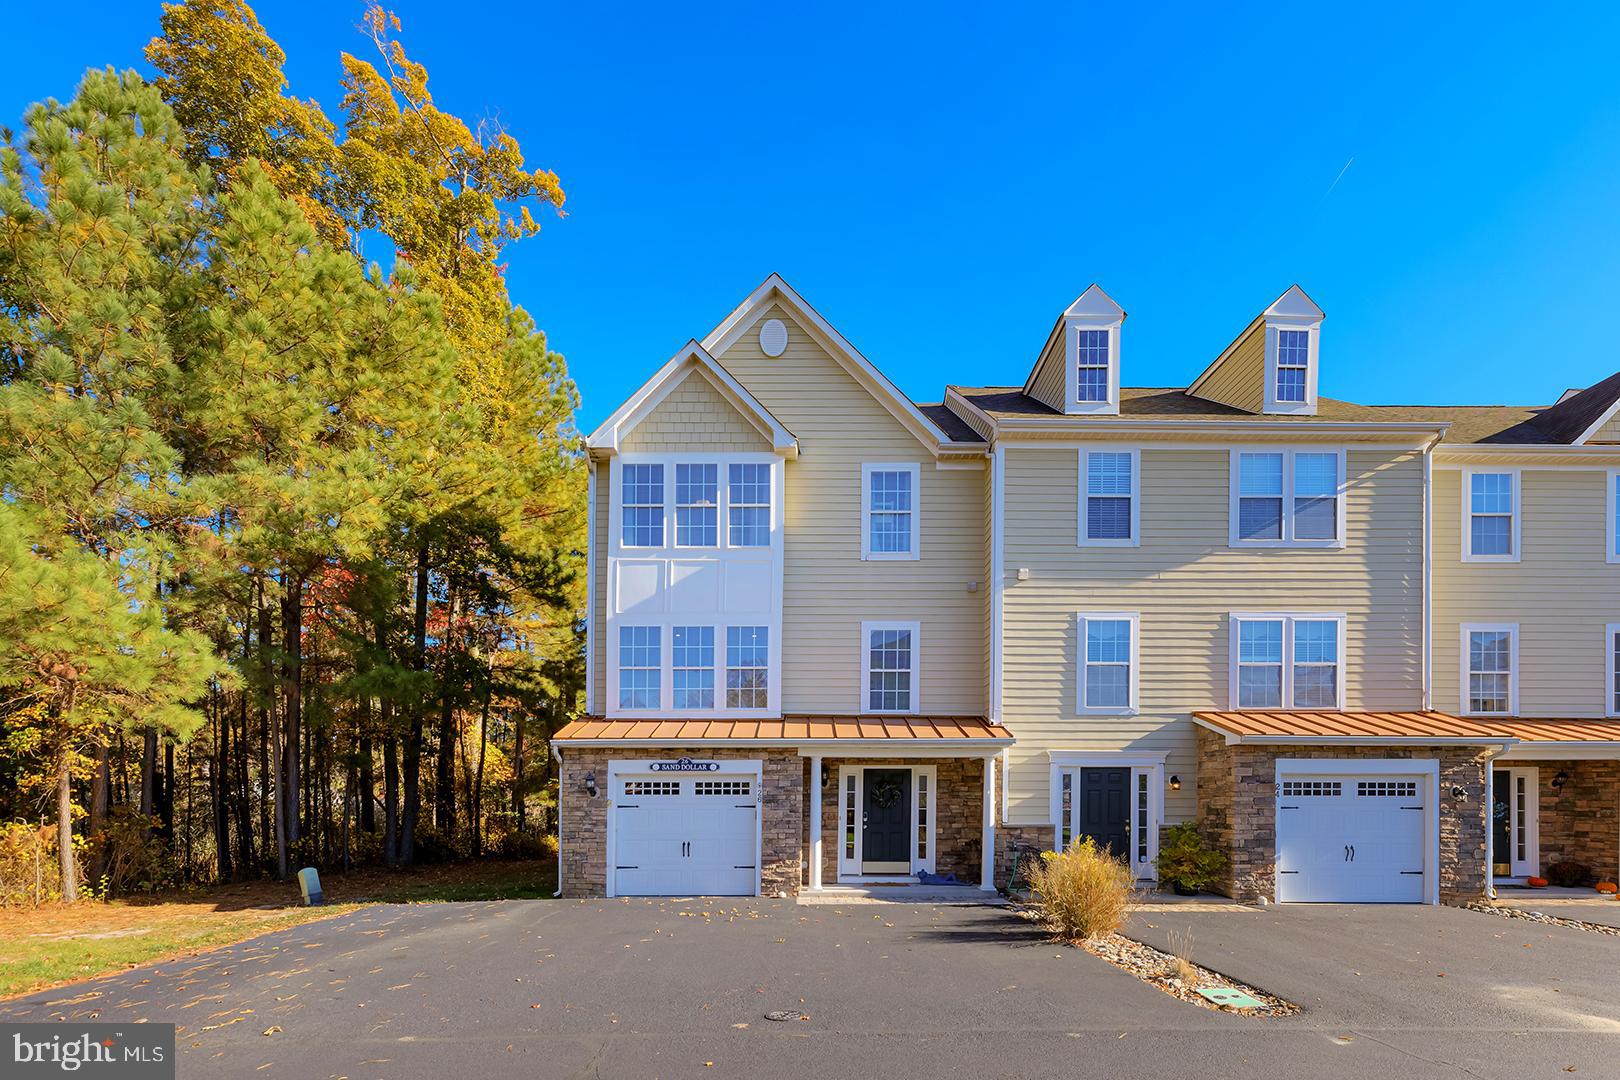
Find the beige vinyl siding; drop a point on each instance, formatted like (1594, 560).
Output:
(599, 553)
(827, 588)
(1608, 433)
(1562, 592)
(1050, 372)
(1184, 581)
(694, 417)
(1239, 380)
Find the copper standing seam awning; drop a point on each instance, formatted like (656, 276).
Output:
(1263, 726)
(974, 731)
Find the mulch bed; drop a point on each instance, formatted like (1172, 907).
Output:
(1538, 917)
(1158, 969)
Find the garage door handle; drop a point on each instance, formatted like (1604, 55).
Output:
(1352, 853)
(1347, 853)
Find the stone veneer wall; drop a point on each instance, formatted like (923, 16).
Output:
(1237, 798)
(1581, 820)
(584, 819)
(958, 807)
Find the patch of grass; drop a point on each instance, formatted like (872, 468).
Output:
(63, 943)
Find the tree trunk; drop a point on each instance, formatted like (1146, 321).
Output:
(477, 808)
(244, 811)
(269, 787)
(365, 781)
(148, 772)
(64, 820)
(444, 787)
(165, 792)
(219, 779)
(292, 687)
(278, 754)
(413, 740)
(518, 801)
(100, 797)
(390, 799)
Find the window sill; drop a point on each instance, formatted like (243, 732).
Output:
(1104, 710)
(1501, 559)
(888, 556)
(1308, 545)
(1130, 542)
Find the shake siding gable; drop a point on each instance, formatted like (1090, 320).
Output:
(1608, 433)
(694, 417)
(1561, 592)
(828, 590)
(1184, 581)
(1239, 380)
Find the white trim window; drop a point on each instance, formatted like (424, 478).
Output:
(1490, 669)
(1110, 486)
(1093, 354)
(889, 510)
(692, 666)
(1491, 521)
(641, 665)
(1612, 551)
(642, 506)
(697, 504)
(1108, 642)
(1293, 365)
(1611, 669)
(1287, 498)
(748, 505)
(748, 666)
(889, 667)
(1287, 660)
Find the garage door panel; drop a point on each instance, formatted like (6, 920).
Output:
(1350, 839)
(686, 837)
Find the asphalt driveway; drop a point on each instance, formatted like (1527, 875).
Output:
(664, 988)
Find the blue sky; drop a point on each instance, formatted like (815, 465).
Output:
(940, 181)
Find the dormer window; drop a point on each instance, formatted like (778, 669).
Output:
(1091, 366)
(1293, 362)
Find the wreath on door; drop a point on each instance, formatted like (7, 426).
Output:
(885, 793)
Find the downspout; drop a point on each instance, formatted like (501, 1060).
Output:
(1489, 765)
(1428, 573)
(557, 756)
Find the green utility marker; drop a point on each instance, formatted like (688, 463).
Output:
(1228, 998)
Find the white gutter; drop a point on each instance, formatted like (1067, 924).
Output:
(1008, 426)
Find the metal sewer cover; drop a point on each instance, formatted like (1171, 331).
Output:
(780, 1015)
(1235, 999)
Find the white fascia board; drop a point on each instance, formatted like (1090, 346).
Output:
(1082, 425)
(863, 370)
(896, 748)
(691, 357)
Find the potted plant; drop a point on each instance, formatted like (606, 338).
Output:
(1186, 864)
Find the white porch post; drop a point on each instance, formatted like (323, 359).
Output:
(815, 821)
(987, 874)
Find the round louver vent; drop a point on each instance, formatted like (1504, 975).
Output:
(773, 337)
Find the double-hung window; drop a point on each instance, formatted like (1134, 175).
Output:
(889, 511)
(640, 666)
(1293, 363)
(642, 507)
(1110, 482)
(1091, 365)
(1287, 661)
(1108, 661)
(1490, 661)
(748, 505)
(692, 667)
(1287, 498)
(889, 667)
(748, 664)
(697, 505)
(1490, 515)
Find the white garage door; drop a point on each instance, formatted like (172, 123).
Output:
(1350, 839)
(685, 836)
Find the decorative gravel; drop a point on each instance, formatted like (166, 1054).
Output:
(1158, 969)
(1537, 917)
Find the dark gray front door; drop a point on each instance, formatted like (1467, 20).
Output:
(1105, 808)
(887, 815)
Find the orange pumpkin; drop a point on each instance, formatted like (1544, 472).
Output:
(1607, 887)
(1536, 882)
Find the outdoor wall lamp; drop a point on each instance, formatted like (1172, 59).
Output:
(590, 784)
(1560, 780)
(1459, 793)
(1175, 783)
(826, 775)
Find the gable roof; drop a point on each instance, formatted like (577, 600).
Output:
(1578, 416)
(691, 358)
(775, 290)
